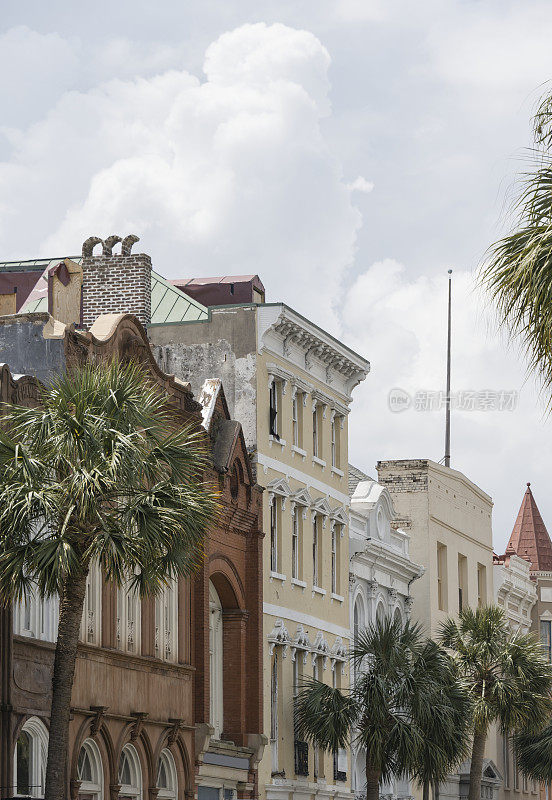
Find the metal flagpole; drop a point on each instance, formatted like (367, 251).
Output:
(447, 401)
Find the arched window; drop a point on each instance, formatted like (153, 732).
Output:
(397, 617)
(90, 630)
(166, 627)
(215, 661)
(167, 782)
(29, 759)
(358, 619)
(36, 618)
(90, 771)
(130, 774)
(380, 613)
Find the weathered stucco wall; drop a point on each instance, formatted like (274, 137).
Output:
(223, 347)
(26, 351)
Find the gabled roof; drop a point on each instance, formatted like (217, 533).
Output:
(530, 539)
(168, 302)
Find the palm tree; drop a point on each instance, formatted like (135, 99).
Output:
(401, 683)
(97, 473)
(518, 275)
(533, 750)
(507, 676)
(445, 742)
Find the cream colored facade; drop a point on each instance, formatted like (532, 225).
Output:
(449, 520)
(306, 603)
(270, 357)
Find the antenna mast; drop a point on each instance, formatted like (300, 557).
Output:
(447, 401)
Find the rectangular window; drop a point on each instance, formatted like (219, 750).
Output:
(516, 770)
(274, 536)
(315, 448)
(481, 585)
(506, 760)
(316, 750)
(274, 422)
(442, 588)
(462, 582)
(334, 441)
(295, 419)
(315, 552)
(274, 712)
(546, 637)
(334, 561)
(295, 561)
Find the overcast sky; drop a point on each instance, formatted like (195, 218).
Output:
(349, 152)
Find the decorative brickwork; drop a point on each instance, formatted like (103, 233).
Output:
(115, 283)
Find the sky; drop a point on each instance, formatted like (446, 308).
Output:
(349, 152)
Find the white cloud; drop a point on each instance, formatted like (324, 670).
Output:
(230, 174)
(360, 184)
(400, 323)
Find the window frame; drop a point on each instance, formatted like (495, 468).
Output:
(37, 733)
(315, 551)
(166, 622)
(129, 790)
(274, 536)
(163, 792)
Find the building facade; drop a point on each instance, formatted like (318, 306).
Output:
(290, 385)
(449, 520)
(380, 578)
(150, 694)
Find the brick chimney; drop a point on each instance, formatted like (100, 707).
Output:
(115, 283)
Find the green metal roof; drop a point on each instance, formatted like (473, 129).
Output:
(168, 304)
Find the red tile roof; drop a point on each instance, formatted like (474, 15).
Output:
(530, 539)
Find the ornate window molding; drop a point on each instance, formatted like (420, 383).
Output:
(279, 636)
(166, 622)
(129, 618)
(320, 648)
(300, 643)
(90, 630)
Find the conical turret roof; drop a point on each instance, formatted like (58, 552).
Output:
(530, 539)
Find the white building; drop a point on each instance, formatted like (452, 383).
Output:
(380, 575)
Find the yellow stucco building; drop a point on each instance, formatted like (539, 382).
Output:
(290, 384)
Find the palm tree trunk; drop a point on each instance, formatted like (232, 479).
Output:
(70, 616)
(372, 781)
(425, 791)
(478, 752)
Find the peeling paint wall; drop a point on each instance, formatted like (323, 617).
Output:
(26, 351)
(223, 347)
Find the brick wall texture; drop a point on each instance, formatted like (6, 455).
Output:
(114, 284)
